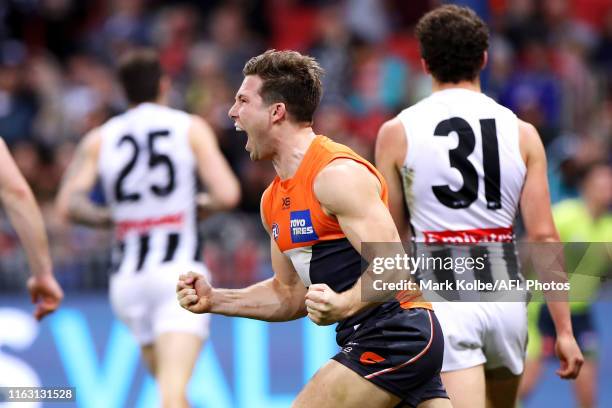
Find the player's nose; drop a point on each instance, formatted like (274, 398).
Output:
(232, 113)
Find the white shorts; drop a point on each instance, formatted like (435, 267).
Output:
(146, 302)
(489, 333)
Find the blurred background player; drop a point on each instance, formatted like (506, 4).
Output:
(584, 220)
(391, 352)
(462, 164)
(24, 214)
(148, 160)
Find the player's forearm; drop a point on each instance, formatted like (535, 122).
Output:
(82, 211)
(353, 302)
(549, 262)
(219, 201)
(267, 300)
(27, 220)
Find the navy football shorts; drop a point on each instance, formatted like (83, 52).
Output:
(400, 352)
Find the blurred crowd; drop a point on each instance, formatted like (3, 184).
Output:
(550, 61)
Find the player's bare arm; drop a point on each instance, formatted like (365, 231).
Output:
(223, 189)
(73, 200)
(391, 145)
(25, 216)
(348, 191)
(280, 298)
(537, 217)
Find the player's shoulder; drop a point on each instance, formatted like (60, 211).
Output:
(268, 191)
(265, 205)
(530, 143)
(93, 138)
(342, 174)
(391, 137)
(527, 130)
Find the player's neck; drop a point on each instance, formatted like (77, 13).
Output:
(469, 85)
(290, 152)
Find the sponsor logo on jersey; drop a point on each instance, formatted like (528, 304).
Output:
(275, 231)
(301, 228)
(286, 203)
(470, 236)
(144, 225)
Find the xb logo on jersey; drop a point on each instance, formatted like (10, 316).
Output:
(275, 231)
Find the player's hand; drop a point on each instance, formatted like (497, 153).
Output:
(193, 292)
(324, 306)
(570, 357)
(46, 294)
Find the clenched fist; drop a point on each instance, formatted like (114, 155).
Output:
(46, 294)
(324, 306)
(194, 292)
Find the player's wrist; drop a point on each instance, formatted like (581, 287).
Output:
(215, 302)
(565, 333)
(351, 304)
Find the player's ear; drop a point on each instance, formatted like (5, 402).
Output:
(485, 60)
(425, 67)
(279, 112)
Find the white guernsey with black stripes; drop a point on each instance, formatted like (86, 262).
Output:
(462, 177)
(148, 174)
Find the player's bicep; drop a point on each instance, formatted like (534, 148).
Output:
(287, 281)
(360, 211)
(82, 172)
(213, 168)
(391, 148)
(535, 197)
(11, 179)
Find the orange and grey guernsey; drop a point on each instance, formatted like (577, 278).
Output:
(312, 239)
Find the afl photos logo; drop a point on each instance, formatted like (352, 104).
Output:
(275, 231)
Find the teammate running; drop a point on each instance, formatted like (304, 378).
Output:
(148, 160)
(25, 216)
(462, 165)
(324, 202)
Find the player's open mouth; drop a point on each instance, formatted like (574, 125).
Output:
(238, 128)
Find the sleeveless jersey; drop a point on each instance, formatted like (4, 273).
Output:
(462, 178)
(311, 239)
(463, 172)
(148, 174)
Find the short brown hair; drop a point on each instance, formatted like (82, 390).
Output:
(140, 73)
(453, 40)
(291, 78)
